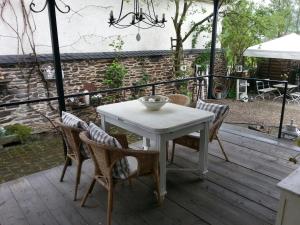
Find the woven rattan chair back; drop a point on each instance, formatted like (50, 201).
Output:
(104, 158)
(74, 144)
(71, 137)
(213, 131)
(179, 99)
(100, 155)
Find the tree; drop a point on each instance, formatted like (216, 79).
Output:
(246, 23)
(179, 19)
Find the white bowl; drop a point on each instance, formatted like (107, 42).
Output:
(154, 102)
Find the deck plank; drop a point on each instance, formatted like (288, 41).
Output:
(10, 211)
(238, 196)
(240, 174)
(33, 208)
(264, 164)
(259, 146)
(62, 209)
(242, 191)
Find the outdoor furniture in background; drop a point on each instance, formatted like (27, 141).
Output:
(192, 140)
(105, 157)
(242, 90)
(179, 99)
(263, 89)
(170, 122)
(73, 142)
(295, 96)
(290, 89)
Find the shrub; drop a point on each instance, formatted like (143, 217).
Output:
(114, 75)
(22, 131)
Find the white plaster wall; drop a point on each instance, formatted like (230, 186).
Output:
(85, 28)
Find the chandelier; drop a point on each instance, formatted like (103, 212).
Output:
(143, 19)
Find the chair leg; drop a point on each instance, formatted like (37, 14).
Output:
(88, 192)
(77, 179)
(222, 148)
(173, 151)
(67, 161)
(110, 205)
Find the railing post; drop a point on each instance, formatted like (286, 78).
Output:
(282, 109)
(153, 89)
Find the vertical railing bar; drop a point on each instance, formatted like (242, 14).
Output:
(153, 89)
(282, 109)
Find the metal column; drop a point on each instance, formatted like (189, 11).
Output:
(56, 55)
(213, 48)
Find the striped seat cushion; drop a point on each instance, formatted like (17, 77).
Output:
(125, 166)
(217, 109)
(70, 120)
(73, 121)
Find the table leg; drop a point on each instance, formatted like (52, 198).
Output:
(203, 153)
(146, 143)
(103, 123)
(161, 146)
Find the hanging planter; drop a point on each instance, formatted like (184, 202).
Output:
(48, 72)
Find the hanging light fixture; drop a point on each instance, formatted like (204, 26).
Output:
(143, 19)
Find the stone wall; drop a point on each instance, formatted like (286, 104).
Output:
(26, 82)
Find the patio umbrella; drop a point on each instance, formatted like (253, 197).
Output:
(285, 47)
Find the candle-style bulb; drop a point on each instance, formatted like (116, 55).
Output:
(163, 18)
(141, 14)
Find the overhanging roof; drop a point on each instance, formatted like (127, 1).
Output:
(286, 47)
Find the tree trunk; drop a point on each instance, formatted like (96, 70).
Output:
(178, 57)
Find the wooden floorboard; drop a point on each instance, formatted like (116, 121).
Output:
(10, 211)
(34, 209)
(240, 192)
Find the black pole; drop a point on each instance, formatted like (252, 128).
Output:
(282, 109)
(213, 48)
(56, 56)
(57, 62)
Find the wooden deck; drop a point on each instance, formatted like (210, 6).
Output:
(240, 192)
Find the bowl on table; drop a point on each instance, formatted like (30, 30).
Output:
(153, 102)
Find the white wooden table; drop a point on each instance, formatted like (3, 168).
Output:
(170, 122)
(289, 204)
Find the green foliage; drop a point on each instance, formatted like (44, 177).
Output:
(198, 30)
(114, 75)
(231, 93)
(144, 80)
(202, 60)
(246, 23)
(22, 131)
(117, 44)
(297, 142)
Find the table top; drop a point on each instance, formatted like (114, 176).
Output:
(289, 86)
(170, 116)
(291, 183)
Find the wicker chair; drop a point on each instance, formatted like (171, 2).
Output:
(105, 157)
(73, 142)
(192, 140)
(179, 99)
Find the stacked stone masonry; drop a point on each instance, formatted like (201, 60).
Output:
(26, 82)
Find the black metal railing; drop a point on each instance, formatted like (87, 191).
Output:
(153, 91)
